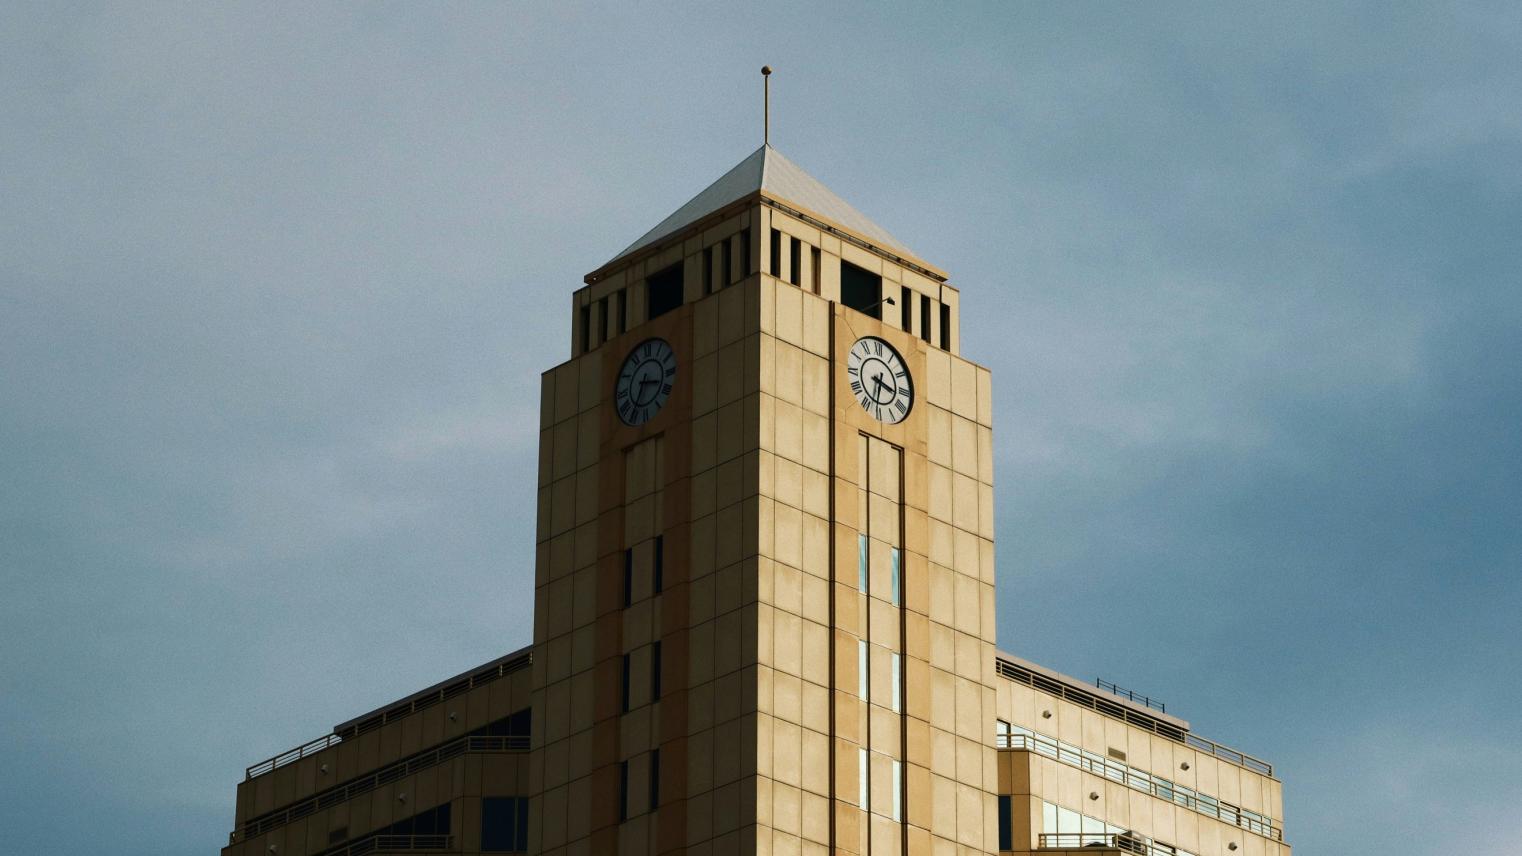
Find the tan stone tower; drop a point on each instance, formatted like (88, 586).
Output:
(764, 599)
(765, 567)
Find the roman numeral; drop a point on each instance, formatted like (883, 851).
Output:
(856, 387)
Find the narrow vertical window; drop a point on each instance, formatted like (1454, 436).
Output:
(864, 798)
(861, 562)
(628, 577)
(1006, 836)
(744, 252)
(776, 270)
(624, 687)
(861, 669)
(708, 270)
(924, 317)
(623, 791)
(816, 269)
(795, 262)
(586, 328)
(602, 320)
(906, 309)
(726, 269)
(655, 671)
(655, 779)
(660, 564)
(898, 586)
(898, 790)
(945, 327)
(898, 683)
(623, 309)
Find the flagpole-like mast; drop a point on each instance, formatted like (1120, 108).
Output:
(766, 105)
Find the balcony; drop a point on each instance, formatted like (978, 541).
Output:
(1101, 842)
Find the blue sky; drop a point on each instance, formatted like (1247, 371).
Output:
(277, 282)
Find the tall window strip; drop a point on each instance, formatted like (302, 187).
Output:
(906, 309)
(655, 671)
(897, 584)
(924, 318)
(898, 791)
(708, 270)
(659, 568)
(814, 283)
(726, 264)
(862, 678)
(776, 268)
(795, 262)
(945, 327)
(623, 310)
(861, 562)
(898, 682)
(586, 328)
(744, 254)
(1006, 835)
(655, 779)
(864, 796)
(602, 320)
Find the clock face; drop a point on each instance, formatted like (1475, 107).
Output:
(644, 381)
(880, 380)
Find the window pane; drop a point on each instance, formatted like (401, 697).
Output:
(1006, 837)
(898, 790)
(500, 822)
(898, 686)
(861, 667)
(897, 588)
(861, 562)
(864, 800)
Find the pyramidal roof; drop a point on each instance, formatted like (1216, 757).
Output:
(767, 171)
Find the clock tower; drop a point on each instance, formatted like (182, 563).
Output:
(764, 574)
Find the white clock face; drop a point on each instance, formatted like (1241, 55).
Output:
(880, 380)
(644, 381)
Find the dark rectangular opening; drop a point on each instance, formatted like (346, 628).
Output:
(655, 671)
(623, 309)
(905, 308)
(586, 328)
(795, 263)
(924, 317)
(745, 252)
(602, 320)
(815, 282)
(624, 687)
(659, 568)
(628, 577)
(945, 327)
(861, 289)
(776, 266)
(1006, 836)
(727, 270)
(504, 825)
(708, 270)
(663, 291)
(655, 779)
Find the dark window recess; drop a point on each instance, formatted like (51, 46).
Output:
(628, 577)
(776, 268)
(924, 318)
(861, 289)
(338, 834)
(602, 320)
(623, 309)
(655, 779)
(659, 568)
(655, 672)
(708, 270)
(905, 308)
(795, 262)
(1006, 837)
(586, 328)
(727, 269)
(504, 824)
(663, 291)
(519, 724)
(434, 821)
(745, 252)
(945, 327)
(623, 791)
(624, 687)
(816, 269)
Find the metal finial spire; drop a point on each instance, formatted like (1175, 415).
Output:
(766, 105)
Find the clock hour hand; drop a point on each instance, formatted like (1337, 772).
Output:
(878, 380)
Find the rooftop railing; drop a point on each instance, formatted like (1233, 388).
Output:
(1161, 788)
(1109, 840)
(1144, 701)
(355, 787)
(392, 844)
(406, 708)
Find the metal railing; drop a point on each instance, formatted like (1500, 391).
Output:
(391, 844)
(364, 784)
(1144, 701)
(1161, 788)
(1019, 674)
(406, 708)
(1110, 840)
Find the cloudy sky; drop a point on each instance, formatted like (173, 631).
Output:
(277, 283)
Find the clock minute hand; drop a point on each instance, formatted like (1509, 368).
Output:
(878, 379)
